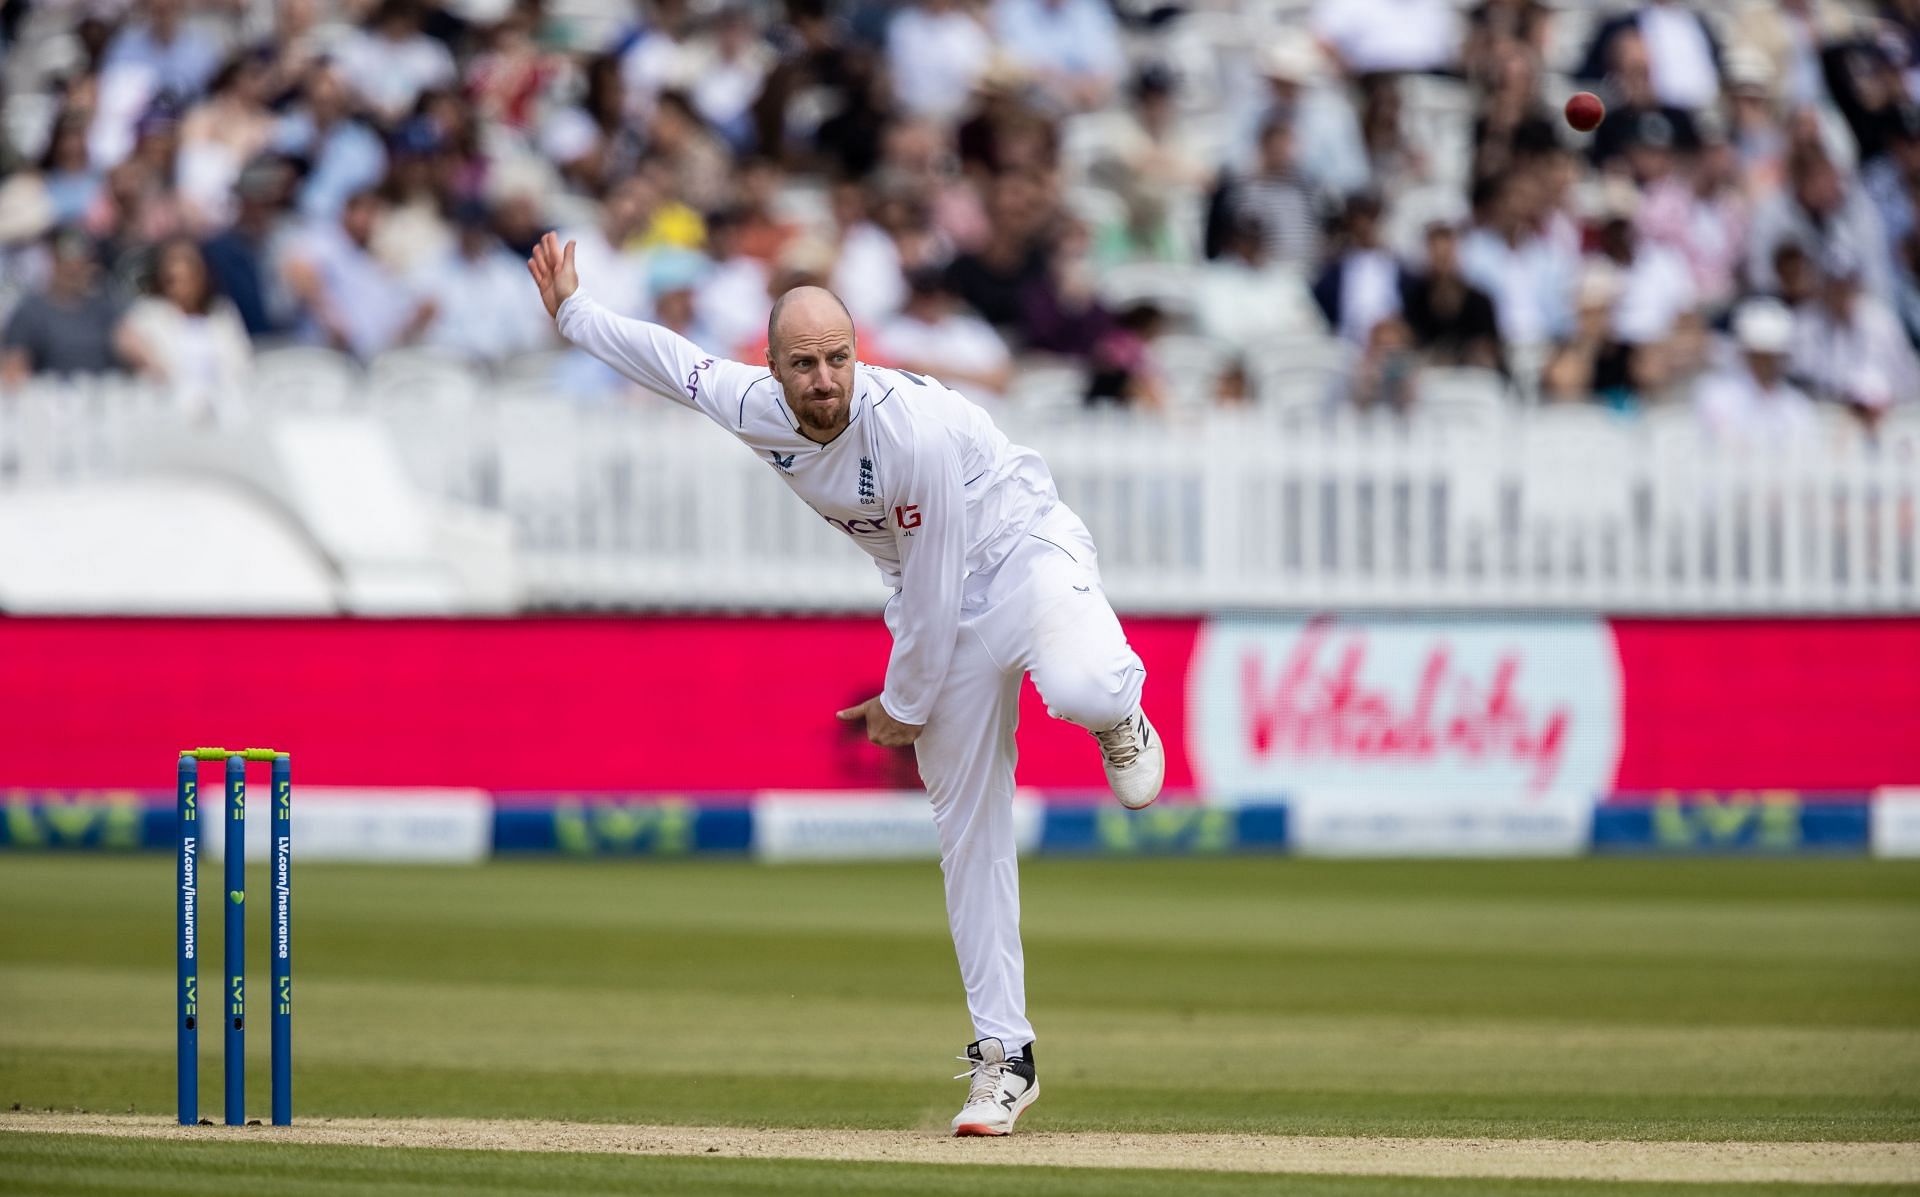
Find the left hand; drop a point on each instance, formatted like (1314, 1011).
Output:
(553, 272)
(883, 729)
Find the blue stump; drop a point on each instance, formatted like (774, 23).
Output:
(236, 940)
(280, 854)
(186, 891)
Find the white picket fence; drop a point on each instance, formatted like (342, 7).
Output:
(645, 505)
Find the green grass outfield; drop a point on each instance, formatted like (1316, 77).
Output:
(1594, 999)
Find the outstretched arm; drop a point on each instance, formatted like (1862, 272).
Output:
(657, 358)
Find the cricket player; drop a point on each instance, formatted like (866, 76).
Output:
(992, 576)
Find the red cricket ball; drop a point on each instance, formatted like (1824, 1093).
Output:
(1584, 111)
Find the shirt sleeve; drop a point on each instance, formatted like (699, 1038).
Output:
(659, 359)
(929, 529)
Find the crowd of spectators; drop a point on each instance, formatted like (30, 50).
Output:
(185, 182)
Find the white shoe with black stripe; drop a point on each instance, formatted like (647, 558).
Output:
(1002, 1087)
(1136, 763)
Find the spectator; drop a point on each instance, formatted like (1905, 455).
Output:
(674, 223)
(652, 56)
(418, 192)
(1849, 348)
(1634, 104)
(1497, 28)
(1759, 139)
(1866, 80)
(763, 231)
(1122, 366)
(1749, 400)
(169, 55)
(1387, 374)
(219, 136)
(1150, 165)
(1246, 304)
(67, 326)
(850, 140)
(1683, 59)
(731, 299)
(340, 153)
(243, 259)
(347, 297)
(185, 336)
(609, 247)
(482, 310)
(1592, 364)
(1655, 289)
(1451, 320)
(71, 182)
(814, 64)
(391, 60)
(595, 144)
(993, 280)
(1278, 198)
(1072, 47)
(1825, 214)
(725, 71)
(1062, 312)
(1893, 180)
(1007, 129)
(674, 275)
(1702, 216)
(1395, 162)
(1372, 36)
(916, 157)
(1506, 255)
(868, 275)
(1788, 36)
(508, 78)
(936, 51)
(694, 159)
(1513, 123)
(1361, 285)
(1326, 126)
(932, 336)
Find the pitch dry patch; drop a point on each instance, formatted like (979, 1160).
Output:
(1532, 1159)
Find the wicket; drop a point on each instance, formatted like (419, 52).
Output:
(280, 920)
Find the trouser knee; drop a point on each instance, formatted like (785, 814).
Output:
(1093, 699)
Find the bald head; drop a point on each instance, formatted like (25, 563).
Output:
(810, 351)
(807, 311)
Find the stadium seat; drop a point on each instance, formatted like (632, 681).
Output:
(304, 378)
(1462, 397)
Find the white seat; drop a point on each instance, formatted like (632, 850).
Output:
(1046, 389)
(304, 378)
(1192, 366)
(1462, 397)
(1170, 286)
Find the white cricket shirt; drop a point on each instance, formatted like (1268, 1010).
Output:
(920, 478)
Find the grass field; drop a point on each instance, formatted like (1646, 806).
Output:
(1593, 999)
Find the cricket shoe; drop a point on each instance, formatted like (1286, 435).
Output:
(1002, 1087)
(1136, 763)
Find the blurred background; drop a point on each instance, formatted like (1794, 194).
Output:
(1470, 486)
(1605, 447)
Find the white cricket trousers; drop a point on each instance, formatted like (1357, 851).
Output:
(1042, 612)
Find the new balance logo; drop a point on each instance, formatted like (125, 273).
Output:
(785, 463)
(1010, 1098)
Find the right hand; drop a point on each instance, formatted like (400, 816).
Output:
(553, 272)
